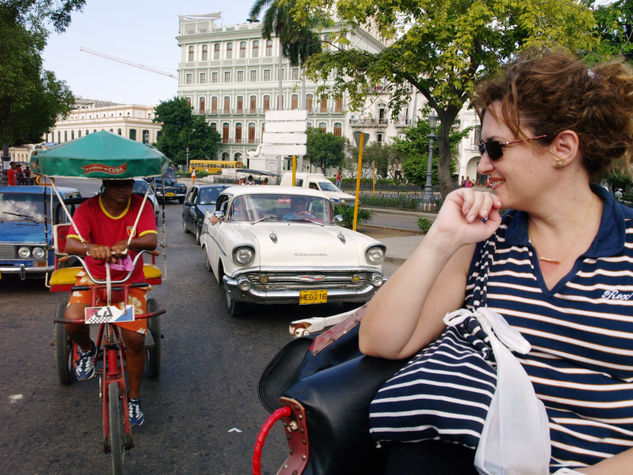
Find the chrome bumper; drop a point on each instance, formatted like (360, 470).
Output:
(22, 270)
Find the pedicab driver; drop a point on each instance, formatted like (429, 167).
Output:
(105, 222)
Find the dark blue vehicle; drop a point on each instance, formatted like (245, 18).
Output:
(26, 227)
(168, 188)
(199, 200)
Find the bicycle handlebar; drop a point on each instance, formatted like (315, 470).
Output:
(120, 281)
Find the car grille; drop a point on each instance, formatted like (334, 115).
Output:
(7, 252)
(321, 280)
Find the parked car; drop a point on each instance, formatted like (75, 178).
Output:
(140, 187)
(26, 233)
(317, 181)
(282, 245)
(199, 200)
(168, 188)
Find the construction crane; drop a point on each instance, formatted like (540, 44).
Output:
(129, 63)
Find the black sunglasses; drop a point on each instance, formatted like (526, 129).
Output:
(494, 148)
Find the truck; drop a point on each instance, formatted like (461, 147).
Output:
(317, 181)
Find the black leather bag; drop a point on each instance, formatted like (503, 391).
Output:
(328, 386)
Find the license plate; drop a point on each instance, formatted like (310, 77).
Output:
(109, 314)
(307, 297)
(169, 193)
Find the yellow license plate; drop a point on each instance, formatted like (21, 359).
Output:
(169, 193)
(307, 297)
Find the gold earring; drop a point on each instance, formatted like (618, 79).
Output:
(559, 164)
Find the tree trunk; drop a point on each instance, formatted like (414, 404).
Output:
(447, 118)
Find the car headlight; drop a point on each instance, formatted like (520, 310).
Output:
(24, 252)
(38, 252)
(375, 255)
(243, 256)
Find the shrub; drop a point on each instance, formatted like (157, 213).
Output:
(347, 212)
(424, 224)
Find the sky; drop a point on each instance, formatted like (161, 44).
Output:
(140, 31)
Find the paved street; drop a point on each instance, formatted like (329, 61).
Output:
(202, 414)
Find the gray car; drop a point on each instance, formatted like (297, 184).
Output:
(199, 200)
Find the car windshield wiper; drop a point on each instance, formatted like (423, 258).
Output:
(304, 218)
(269, 217)
(20, 215)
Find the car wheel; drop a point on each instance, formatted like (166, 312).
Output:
(235, 309)
(184, 226)
(197, 234)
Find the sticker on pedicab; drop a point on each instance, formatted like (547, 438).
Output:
(109, 314)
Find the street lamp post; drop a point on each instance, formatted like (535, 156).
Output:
(427, 197)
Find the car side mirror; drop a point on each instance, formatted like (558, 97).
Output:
(338, 219)
(219, 214)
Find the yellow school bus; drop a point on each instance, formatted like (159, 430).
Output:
(214, 167)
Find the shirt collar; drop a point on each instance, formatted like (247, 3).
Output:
(611, 234)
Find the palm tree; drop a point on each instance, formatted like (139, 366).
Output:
(298, 42)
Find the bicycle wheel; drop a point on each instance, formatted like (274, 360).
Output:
(116, 427)
(63, 350)
(153, 352)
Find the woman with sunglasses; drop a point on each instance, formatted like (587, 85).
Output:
(558, 266)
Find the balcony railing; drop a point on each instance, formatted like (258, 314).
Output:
(368, 122)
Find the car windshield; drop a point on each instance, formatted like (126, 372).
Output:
(328, 186)
(170, 173)
(140, 186)
(22, 207)
(257, 208)
(208, 196)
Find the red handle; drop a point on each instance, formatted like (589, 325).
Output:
(261, 437)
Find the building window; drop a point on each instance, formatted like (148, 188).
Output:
(216, 51)
(322, 126)
(338, 107)
(240, 76)
(203, 78)
(79, 133)
(266, 74)
(242, 49)
(253, 104)
(309, 102)
(225, 132)
(294, 102)
(240, 104)
(213, 126)
(118, 131)
(214, 76)
(188, 78)
(132, 134)
(227, 76)
(269, 47)
(283, 74)
(205, 52)
(379, 137)
(338, 129)
(190, 54)
(202, 104)
(253, 75)
(255, 48)
(323, 103)
(266, 103)
(238, 132)
(188, 99)
(229, 50)
(251, 132)
(214, 105)
(227, 104)
(72, 135)
(145, 134)
(295, 73)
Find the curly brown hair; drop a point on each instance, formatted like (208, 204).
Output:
(554, 91)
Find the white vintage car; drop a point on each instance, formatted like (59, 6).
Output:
(281, 245)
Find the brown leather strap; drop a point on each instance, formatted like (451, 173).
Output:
(297, 436)
(337, 331)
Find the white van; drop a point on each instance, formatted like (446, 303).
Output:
(318, 182)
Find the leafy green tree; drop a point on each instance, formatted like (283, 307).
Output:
(324, 149)
(438, 48)
(614, 25)
(415, 146)
(380, 154)
(31, 98)
(182, 129)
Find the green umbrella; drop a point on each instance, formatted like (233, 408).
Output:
(99, 155)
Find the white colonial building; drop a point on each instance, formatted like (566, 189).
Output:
(133, 121)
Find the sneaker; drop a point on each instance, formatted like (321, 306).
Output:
(134, 412)
(85, 367)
